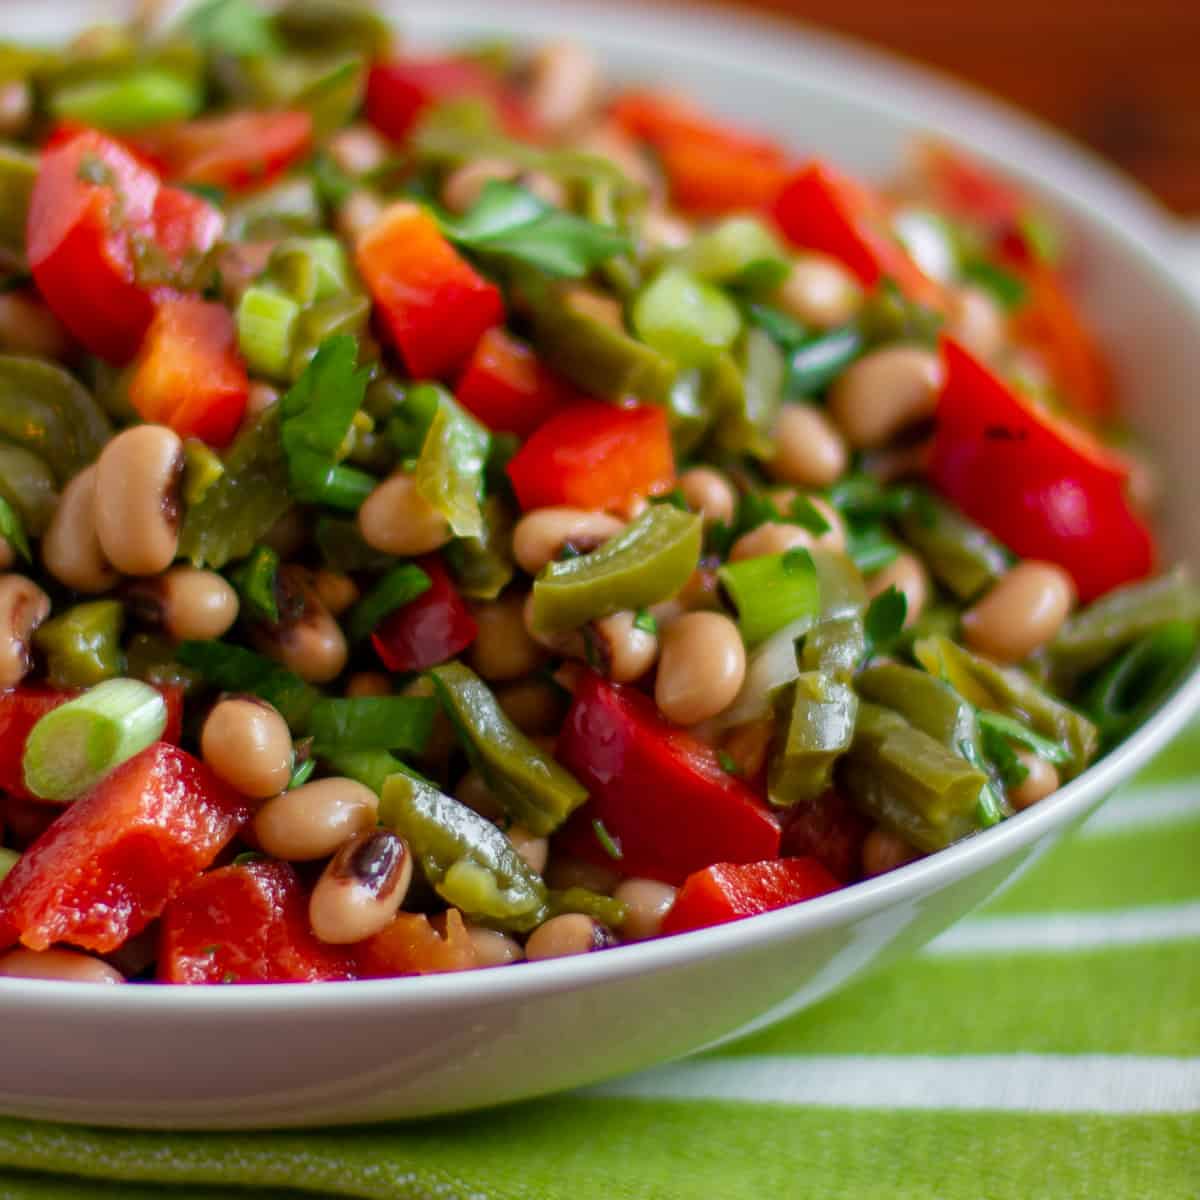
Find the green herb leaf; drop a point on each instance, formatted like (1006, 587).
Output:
(1004, 286)
(728, 765)
(608, 843)
(786, 332)
(398, 587)
(315, 416)
(399, 723)
(12, 531)
(303, 773)
(885, 620)
(646, 622)
(237, 27)
(511, 223)
(804, 513)
(255, 581)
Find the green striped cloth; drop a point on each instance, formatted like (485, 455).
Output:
(1046, 1049)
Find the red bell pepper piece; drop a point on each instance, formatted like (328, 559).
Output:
(432, 629)
(95, 214)
(430, 300)
(1046, 489)
(507, 388)
(411, 946)
(22, 707)
(189, 374)
(661, 794)
(239, 150)
(245, 924)
(1048, 321)
(399, 92)
(728, 892)
(829, 829)
(710, 167)
(967, 189)
(110, 864)
(595, 455)
(822, 210)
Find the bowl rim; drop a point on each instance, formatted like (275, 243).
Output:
(1053, 166)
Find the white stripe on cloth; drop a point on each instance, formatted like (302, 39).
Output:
(1086, 1083)
(1056, 932)
(1145, 808)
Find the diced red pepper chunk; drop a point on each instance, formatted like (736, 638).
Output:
(96, 212)
(507, 388)
(245, 924)
(595, 455)
(112, 861)
(1045, 488)
(822, 210)
(399, 92)
(429, 300)
(728, 891)
(434, 628)
(410, 945)
(238, 151)
(22, 707)
(660, 793)
(189, 374)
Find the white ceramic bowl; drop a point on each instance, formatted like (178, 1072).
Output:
(243, 1057)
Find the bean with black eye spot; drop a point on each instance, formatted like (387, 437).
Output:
(361, 889)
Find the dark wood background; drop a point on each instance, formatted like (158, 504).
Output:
(1122, 76)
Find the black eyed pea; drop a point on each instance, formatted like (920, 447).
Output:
(568, 643)
(28, 327)
(564, 87)
(357, 213)
(1041, 781)
(908, 576)
(569, 934)
(464, 185)
(368, 683)
(396, 519)
(248, 744)
(68, 966)
(532, 706)
(357, 149)
(309, 641)
(646, 902)
(777, 537)
(701, 667)
(137, 508)
(336, 591)
(23, 607)
(619, 648)
(493, 948)
(16, 107)
(884, 851)
(664, 231)
(361, 889)
(809, 450)
(313, 820)
(564, 873)
(709, 493)
(71, 549)
(820, 292)
(8, 556)
(289, 535)
(541, 536)
(260, 397)
(474, 792)
(885, 392)
(977, 321)
(187, 603)
(1022, 611)
(534, 850)
(503, 650)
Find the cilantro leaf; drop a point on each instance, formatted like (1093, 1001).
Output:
(237, 27)
(315, 416)
(12, 531)
(885, 620)
(508, 222)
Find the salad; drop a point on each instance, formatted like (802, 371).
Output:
(456, 511)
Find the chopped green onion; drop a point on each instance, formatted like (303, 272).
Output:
(449, 471)
(608, 843)
(686, 319)
(134, 100)
(235, 669)
(740, 252)
(817, 363)
(82, 646)
(8, 860)
(309, 269)
(256, 581)
(398, 587)
(785, 331)
(266, 320)
(400, 723)
(76, 745)
(12, 531)
(1014, 731)
(771, 591)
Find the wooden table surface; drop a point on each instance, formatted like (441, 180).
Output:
(1122, 76)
